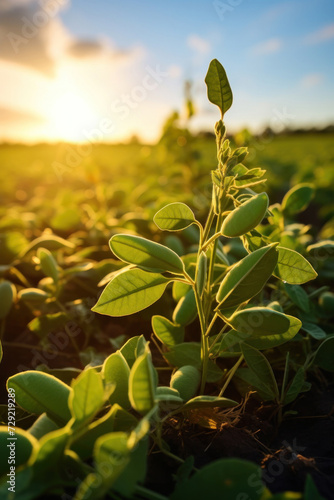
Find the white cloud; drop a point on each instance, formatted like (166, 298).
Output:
(198, 44)
(267, 47)
(312, 80)
(32, 34)
(322, 35)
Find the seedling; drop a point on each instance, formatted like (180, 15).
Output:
(207, 285)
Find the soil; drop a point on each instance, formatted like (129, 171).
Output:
(303, 444)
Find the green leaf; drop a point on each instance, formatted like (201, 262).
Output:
(200, 402)
(298, 296)
(189, 353)
(42, 426)
(314, 330)
(295, 387)
(174, 217)
(146, 254)
(130, 292)
(324, 356)
(219, 90)
(257, 320)
(245, 217)
(48, 241)
(128, 350)
(227, 478)
(247, 278)
(7, 295)
(48, 263)
(260, 366)
(115, 420)
(297, 199)
(246, 380)
(167, 332)
(87, 396)
(321, 250)
(116, 371)
(134, 472)
(186, 309)
(167, 394)
(142, 384)
(42, 325)
(186, 381)
(33, 295)
(311, 491)
(261, 342)
(17, 448)
(50, 452)
(38, 392)
(179, 290)
(293, 267)
(111, 452)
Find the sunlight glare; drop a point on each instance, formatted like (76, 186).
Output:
(70, 117)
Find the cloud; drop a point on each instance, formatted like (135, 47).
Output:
(198, 44)
(9, 116)
(32, 34)
(267, 47)
(312, 80)
(24, 32)
(322, 35)
(85, 48)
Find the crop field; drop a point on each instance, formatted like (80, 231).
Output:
(166, 315)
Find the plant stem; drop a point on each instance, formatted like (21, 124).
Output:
(213, 253)
(204, 339)
(208, 224)
(210, 240)
(219, 336)
(159, 442)
(231, 374)
(211, 324)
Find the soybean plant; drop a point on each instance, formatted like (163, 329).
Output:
(206, 284)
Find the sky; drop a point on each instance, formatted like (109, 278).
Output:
(105, 70)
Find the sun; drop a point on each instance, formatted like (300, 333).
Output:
(71, 117)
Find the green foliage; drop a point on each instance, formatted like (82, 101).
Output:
(39, 392)
(174, 217)
(233, 319)
(186, 381)
(297, 199)
(229, 477)
(7, 297)
(142, 384)
(145, 254)
(116, 371)
(130, 292)
(247, 278)
(219, 90)
(293, 267)
(167, 332)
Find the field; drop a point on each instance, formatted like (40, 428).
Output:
(86, 382)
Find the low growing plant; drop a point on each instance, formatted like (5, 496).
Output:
(206, 284)
(91, 435)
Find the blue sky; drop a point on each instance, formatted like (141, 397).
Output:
(277, 54)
